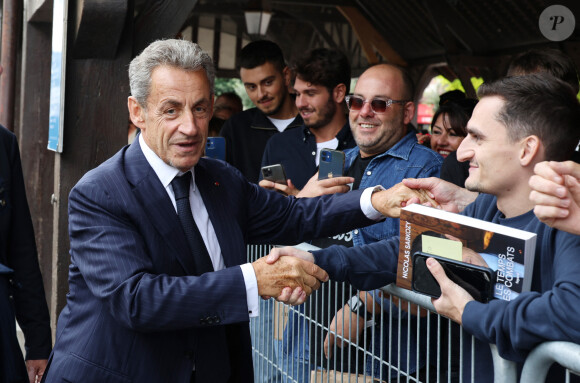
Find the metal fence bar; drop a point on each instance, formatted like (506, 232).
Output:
(369, 353)
(543, 356)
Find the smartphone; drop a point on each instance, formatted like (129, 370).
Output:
(274, 173)
(215, 147)
(478, 281)
(331, 164)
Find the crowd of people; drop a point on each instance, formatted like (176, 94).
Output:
(160, 288)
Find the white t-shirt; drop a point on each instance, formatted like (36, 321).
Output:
(332, 144)
(281, 124)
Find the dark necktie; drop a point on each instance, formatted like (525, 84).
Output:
(200, 255)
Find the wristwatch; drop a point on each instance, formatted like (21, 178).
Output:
(358, 307)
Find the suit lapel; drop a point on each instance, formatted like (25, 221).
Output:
(151, 194)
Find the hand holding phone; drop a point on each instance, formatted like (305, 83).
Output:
(478, 281)
(274, 173)
(331, 164)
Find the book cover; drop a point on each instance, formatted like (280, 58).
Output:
(507, 251)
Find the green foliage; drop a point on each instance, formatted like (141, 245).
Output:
(223, 85)
(440, 85)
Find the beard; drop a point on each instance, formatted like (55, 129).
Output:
(278, 107)
(326, 114)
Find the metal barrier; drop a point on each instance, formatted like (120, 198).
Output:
(288, 342)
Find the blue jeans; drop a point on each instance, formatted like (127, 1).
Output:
(265, 346)
(294, 349)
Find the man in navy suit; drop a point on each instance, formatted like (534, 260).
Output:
(21, 288)
(139, 309)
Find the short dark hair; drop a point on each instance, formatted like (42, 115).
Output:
(260, 52)
(322, 66)
(553, 61)
(458, 110)
(538, 104)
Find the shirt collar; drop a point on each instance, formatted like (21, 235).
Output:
(166, 173)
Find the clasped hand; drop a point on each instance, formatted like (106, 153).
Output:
(291, 279)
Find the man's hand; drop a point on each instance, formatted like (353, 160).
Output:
(346, 320)
(288, 189)
(316, 187)
(278, 252)
(289, 272)
(556, 194)
(453, 298)
(390, 201)
(451, 197)
(36, 369)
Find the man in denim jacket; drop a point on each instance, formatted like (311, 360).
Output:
(381, 109)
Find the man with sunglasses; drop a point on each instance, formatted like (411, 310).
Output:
(387, 151)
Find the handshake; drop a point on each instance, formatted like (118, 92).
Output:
(290, 275)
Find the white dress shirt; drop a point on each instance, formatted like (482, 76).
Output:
(167, 173)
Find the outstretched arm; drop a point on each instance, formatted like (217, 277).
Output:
(451, 197)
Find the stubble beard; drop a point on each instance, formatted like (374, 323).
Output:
(327, 116)
(278, 107)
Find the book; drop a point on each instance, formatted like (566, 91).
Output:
(509, 252)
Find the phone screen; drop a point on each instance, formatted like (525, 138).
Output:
(476, 280)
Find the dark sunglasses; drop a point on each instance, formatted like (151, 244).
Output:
(356, 103)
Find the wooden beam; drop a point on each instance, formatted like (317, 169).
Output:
(37, 161)
(98, 28)
(160, 19)
(369, 38)
(39, 11)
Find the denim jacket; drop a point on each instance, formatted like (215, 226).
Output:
(406, 159)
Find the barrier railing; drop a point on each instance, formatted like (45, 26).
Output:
(393, 346)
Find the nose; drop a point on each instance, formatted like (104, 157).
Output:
(443, 139)
(465, 151)
(189, 124)
(261, 92)
(300, 101)
(366, 110)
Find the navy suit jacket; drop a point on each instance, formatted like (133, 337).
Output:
(134, 311)
(24, 297)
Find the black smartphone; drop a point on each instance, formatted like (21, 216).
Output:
(274, 173)
(478, 281)
(215, 147)
(331, 164)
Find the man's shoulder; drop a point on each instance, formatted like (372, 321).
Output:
(288, 135)
(244, 118)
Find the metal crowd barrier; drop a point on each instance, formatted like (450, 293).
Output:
(288, 342)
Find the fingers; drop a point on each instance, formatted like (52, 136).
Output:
(275, 253)
(328, 345)
(292, 297)
(278, 252)
(267, 184)
(420, 183)
(437, 270)
(335, 181)
(548, 186)
(318, 273)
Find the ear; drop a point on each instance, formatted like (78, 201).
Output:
(287, 74)
(409, 110)
(338, 93)
(136, 112)
(531, 150)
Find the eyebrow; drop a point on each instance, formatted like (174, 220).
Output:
(472, 131)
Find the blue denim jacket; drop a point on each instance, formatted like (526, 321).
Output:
(406, 159)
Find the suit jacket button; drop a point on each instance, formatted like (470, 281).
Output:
(217, 320)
